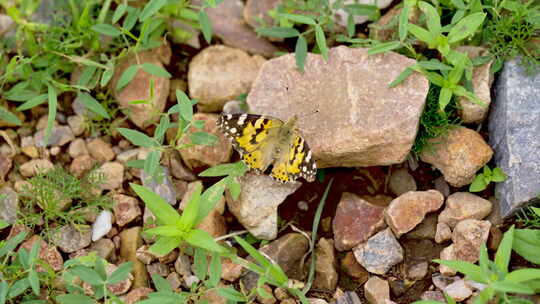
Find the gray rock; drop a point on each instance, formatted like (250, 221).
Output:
(255, 208)
(349, 297)
(513, 134)
(70, 238)
(379, 253)
(9, 205)
(60, 135)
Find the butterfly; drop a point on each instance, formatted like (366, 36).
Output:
(264, 141)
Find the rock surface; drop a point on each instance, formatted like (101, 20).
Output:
(130, 240)
(513, 134)
(256, 210)
(202, 155)
(350, 92)
(409, 209)
(377, 290)
(356, 221)
(70, 238)
(126, 209)
(219, 73)
(458, 154)
(229, 25)
(464, 205)
(379, 253)
(9, 205)
(401, 181)
(143, 114)
(326, 275)
(102, 225)
(342, 15)
(47, 253)
(287, 252)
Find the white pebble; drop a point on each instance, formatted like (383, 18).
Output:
(102, 225)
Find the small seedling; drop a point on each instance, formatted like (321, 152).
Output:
(482, 180)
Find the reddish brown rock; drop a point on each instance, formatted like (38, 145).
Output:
(377, 290)
(467, 236)
(230, 271)
(137, 294)
(409, 209)
(100, 150)
(355, 221)
(353, 269)
(81, 164)
(47, 253)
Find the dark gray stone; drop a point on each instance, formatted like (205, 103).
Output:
(514, 129)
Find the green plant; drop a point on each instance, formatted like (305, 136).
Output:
(317, 17)
(527, 241)
(529, 217)
(91, 270)
(499, 281)
(56, 197)
(433, 122)
(512, 30)
(482, 180)
(18, 274)
(184, 136)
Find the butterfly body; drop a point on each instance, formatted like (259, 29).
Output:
(264, 141)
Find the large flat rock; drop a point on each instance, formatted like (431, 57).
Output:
(360, 120)
(514, 134)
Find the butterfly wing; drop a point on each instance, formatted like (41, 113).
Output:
(294, 161)
(253, 136)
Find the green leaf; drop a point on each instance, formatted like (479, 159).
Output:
(299, 18)
(155, 70)
(93, 105)
(121, 273)
(536, 210)
(433, 19)
(186, 108)
(498, 175)
(203, 138)
(274, 270)
(4, 224)
(160, 283)
(523, 275)
(444, 98)
(504, 286)
(434, 64)
(502, 257)
(106, 77)
(321, 41)
(10, 245)
(201, 263)
(235, 169)
(18, 288)
(384, 47)
(215, 270)
(159, 207)
(126, 77)
(209, 200)
(421, 34)
(33, 279)
(472, 271)
(131, 18)
(189, 215)
(527, 244)
(106, 29)
(138, 138)
(151, 162)
(478, 184)
(6, 115)
(402, 76)
(403, 23)
(167, 230)
(75, 299)
(300, 52)
(231, 294)
(234, 187)
(119, 12)
(88, 275)
(53, 101)
(466, 27)
(278, 32)
(4, 288)
(151, 8)
(163, 126)
(164, 245)
(202, 239)
(206, 26)
(33, 102)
